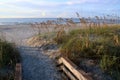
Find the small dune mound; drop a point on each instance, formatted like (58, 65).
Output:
(51, 49)
(36, 41)
(48, 47)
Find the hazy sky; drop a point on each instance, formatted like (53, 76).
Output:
(57, 8)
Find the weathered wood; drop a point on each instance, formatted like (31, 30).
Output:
(79, 74)
(67, 72)
(58, 65)
(64, 77)
(18, 72)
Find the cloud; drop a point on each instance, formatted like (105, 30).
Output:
(71, 2)
(54, 8)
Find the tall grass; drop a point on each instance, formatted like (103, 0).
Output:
(99, 41)
(101, 44)
(9, 56)
(95, 38)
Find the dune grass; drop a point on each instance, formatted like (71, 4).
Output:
(98, 43)
(9, 56)
(95, 38)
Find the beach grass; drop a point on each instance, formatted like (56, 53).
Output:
(101, 44)
(99, 41)
(9, 56)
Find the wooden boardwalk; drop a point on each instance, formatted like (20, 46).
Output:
(18, 72)
(68, 68)
(71, 70)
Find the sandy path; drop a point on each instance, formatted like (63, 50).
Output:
(36, 66)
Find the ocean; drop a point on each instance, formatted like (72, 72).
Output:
(12, 21)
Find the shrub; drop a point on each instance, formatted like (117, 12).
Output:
(9, 56)
(111, 65)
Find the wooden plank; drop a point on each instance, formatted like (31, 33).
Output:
(74, 69)
(64, 76)
(59, 64)
(67, 72)
(80, 71)
(18, 72)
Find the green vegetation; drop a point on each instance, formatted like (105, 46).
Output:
(99, 43)
(95, 38)
(9, 56)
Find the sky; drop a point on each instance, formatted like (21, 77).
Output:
(58, 8)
